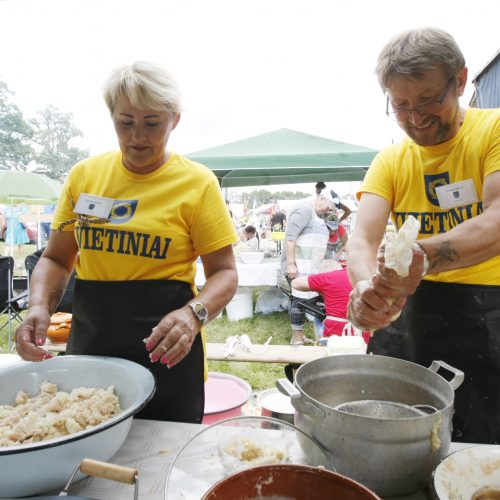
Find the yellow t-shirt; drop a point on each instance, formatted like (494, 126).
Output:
(159, 224)
(406, 175)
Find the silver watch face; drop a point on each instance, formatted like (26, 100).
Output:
(200, 311)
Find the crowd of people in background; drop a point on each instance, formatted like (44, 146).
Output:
(274, 219)
(263, 223)
(315, 241)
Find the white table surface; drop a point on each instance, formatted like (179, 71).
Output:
(252, 275)
(151, 447)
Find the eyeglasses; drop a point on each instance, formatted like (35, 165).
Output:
(423, 109)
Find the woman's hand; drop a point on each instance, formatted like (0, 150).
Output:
(31, 335)
(171, 340)
(370, 311)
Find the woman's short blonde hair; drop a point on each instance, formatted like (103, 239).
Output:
(412, 53)
(147, 85)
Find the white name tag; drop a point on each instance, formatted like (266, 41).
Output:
(456, 194)
(89, 204)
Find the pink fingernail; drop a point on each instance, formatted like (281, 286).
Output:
(164, 360)
(169, 365)
(39, 341)
(149, 346)
(154, 358)
(48, 355)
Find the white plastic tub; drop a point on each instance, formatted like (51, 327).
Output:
(276, 405)
(241, 305)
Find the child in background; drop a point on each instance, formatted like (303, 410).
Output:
(249, 240)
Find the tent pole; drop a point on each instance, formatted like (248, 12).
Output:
(39, 232)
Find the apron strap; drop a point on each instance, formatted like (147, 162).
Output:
(349, 328)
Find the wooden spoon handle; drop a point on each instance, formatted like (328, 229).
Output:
(106, 470)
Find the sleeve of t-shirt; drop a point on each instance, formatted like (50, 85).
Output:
(212, 227)
(297, 221)
(312, 281)
(492, 161)
(378, 180)
(319, 282)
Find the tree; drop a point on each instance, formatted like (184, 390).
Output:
(15, 133)
(53, 131)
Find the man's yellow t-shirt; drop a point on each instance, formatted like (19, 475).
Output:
(407, 175)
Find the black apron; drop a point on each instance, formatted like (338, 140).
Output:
(459, 324)
(111, 318)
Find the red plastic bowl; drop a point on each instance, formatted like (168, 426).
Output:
(297, 482)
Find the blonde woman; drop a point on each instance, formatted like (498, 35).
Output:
(144, 215)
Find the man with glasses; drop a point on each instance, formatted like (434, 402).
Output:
(446, 173)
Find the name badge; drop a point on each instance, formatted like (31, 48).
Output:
(98, 206)
(456, 194)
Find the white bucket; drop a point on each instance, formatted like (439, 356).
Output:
(277, 405)
(241, 305)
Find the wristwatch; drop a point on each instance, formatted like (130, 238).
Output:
(200, 311)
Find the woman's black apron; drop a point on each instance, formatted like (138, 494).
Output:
(111, 318)
(458, 324)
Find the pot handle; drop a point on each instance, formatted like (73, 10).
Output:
(288, 389)
(457, 380)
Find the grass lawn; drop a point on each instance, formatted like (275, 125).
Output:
(259, 328)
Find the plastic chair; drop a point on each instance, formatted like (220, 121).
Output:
(315, 306)
(66, 303)
(10, 304)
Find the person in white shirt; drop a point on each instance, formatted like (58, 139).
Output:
(250, 238)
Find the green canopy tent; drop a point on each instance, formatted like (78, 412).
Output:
(30, 188)
(285, 156)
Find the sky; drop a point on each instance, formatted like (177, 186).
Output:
(245, 67)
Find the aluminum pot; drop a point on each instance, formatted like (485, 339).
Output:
(35, 468)
(390, 456)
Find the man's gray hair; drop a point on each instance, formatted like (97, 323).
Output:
(147, 85)
(412, 53)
